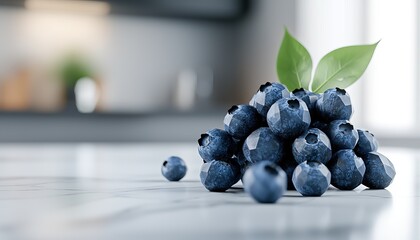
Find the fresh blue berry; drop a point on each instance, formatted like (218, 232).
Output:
(379, 171)
(367, 143)
(268, 94)
(288, 118)
(347, 170)
(263, 145)
(313, 145)
(308, 97)
(241, 120)
(265, 182)
(342, 135)
(216, 144)
(174, 168)
(219, 176)
(311, 178)
(334, 104)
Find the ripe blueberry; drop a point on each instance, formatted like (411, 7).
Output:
(268, 94)
(216, 144)
(241, 120)
(313, 145)
(347, 170)
(311, 178)
(174, 168)
(265, 182)
(334, 104)
(288, 118)
(342, 135)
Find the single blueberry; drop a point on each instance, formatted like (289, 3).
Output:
(241, 120)
(311, 178)
(263, 145)
(308, 97)
(266, 95)
(216, 144)
(174, 168)
(265, 182)
(334, 104)
(367, 143)
(313, 145)
(288, 118)
(347, 170)
(219, 176)
(379, 171)
(342, 135)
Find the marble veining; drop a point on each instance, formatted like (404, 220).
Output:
(116, 191)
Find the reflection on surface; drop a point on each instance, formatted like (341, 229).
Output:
(116, 192)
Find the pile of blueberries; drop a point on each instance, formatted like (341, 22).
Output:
(292, 140)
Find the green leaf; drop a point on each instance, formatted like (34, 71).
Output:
(294, 64)
(342, 67)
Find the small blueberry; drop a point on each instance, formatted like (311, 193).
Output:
(265, 182)
(174, 168)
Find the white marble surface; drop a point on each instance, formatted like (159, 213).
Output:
(115, 191)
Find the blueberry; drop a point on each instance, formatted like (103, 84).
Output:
(288, 118)
(263, 145)
(347, 170)
(367, 143)
(219, 176)
(342, 135)
(379, 171)
(241, 120)
(216, 144)
(313, 145)
(311, 178)
(265, 182)
(268, 94)
(334, 104)
(174, 168)
(308, 97)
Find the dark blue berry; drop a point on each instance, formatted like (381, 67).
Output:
(334, 104)
(241, 120)
(308, 97)
(288, 118)
(268, 94)
(311, 178)
(379, 171)
(216, 144)
(219, 176)
(367, 143)
(265, 182)
(174, 168)
(342, 135)
(313, 145)
(263, 145)
(347, 170)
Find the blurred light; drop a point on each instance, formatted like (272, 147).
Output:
(86, 95)
(185, 91)
(90, 7)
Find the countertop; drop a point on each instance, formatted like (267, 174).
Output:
(116, 191)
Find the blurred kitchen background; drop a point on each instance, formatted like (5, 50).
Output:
(167, 70)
